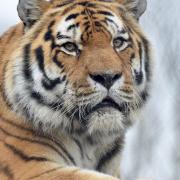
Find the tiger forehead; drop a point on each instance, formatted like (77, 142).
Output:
(91, 11)
(85, 20)
(57, 3)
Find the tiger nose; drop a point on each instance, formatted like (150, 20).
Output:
(107, 80)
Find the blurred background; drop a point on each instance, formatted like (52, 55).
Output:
(152, 149)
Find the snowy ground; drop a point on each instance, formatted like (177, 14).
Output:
(152, 150)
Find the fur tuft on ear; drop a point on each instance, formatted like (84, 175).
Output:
(31, 11)
(137, 7)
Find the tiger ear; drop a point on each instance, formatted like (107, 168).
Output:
(30, 11)
(137, 7)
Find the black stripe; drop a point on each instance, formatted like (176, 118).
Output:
(56, 61)
(132, 57)
(27, 67)
(106, 13)
(139, 74)
(144, 95)
(65, 3)
(51, 24)
(40, 58)
(2, 88)
(47, 83)
(48, 35)
(106, 1)
(66, 152)
(104, 25)
(91, 12)
(80, 147)
(138, 77)
(110, 154)
(24, 156)
(40, 99)
(64, 78)
(73, 26)
(45, 137)
(68, 9)
(51, 84)
(7, 171)
(111, 21)
(3, 94)
(86, 29)
(72, 16)
(84, 13)
(36, 142)
(86, 23)
(86, 4)
(140, 50)
(16, 125)
(97, 23)
(46, 172)
(147, 59)
(61, 36)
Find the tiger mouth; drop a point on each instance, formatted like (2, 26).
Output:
(107, 103)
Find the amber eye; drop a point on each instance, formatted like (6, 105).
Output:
(118, 42)
(71, 47)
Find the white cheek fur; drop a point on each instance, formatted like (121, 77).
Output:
(38, 113)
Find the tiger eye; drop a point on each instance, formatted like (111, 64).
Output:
(71, 47)
(118, 42)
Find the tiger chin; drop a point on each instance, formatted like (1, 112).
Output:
(73, 74)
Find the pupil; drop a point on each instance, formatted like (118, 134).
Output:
(118, 42)
(70, 47)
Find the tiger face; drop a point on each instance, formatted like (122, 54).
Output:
(83, 68)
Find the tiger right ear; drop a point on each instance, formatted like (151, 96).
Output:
(30, 11)
(136, 7)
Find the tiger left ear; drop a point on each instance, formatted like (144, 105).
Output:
(30, 11)
(137, 7)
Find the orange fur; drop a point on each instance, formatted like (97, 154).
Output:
(26, 153)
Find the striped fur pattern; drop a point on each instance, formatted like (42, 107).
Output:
(72, 77)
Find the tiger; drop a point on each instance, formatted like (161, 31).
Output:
(73, 75)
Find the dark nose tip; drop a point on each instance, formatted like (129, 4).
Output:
(107, 80)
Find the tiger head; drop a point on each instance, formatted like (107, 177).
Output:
(83, 66)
